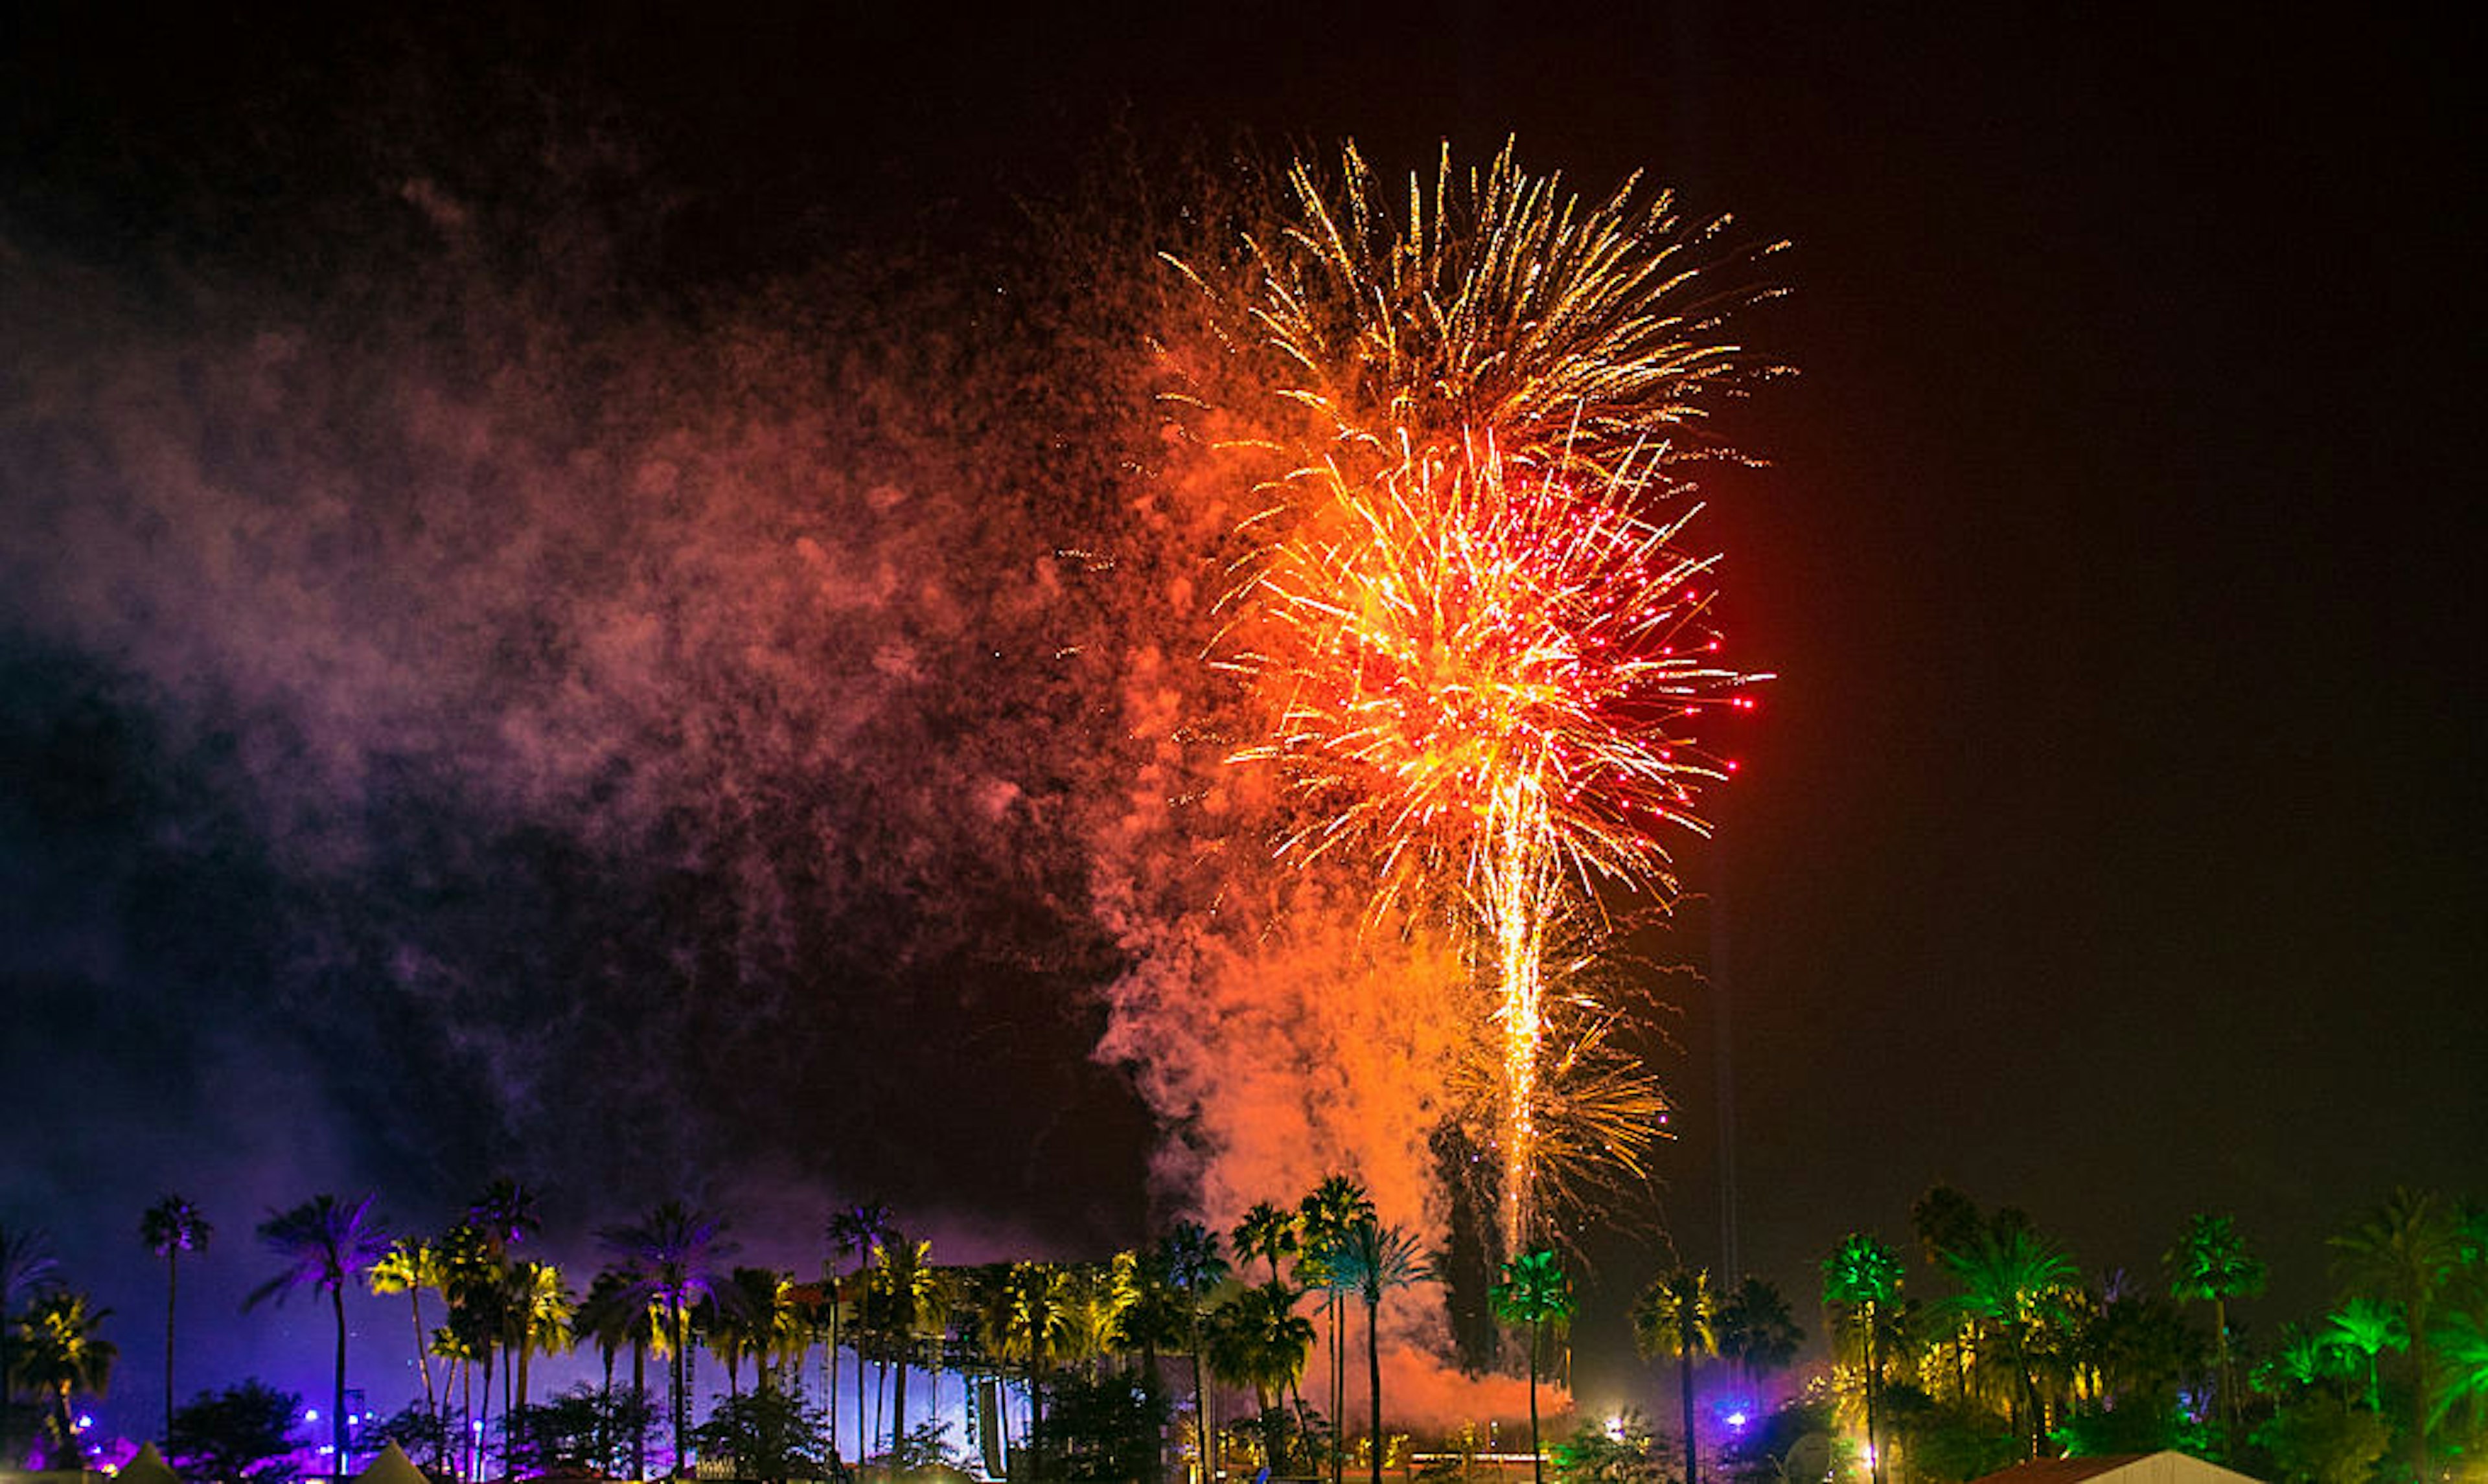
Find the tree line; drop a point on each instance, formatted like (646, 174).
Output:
(1995, 1349)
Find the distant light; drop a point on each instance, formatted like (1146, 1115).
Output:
(310, 1414)
(1738, 1420)
(84, 1421)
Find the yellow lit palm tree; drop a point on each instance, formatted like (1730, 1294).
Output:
(1674, 1317)
(409, 1267)
(60, 1357)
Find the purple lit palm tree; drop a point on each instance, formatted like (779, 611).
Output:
(325, 1243)
(674, 1252)
(171, 1227)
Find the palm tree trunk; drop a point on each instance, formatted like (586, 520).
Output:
(1685, 1393)
(1537, 1460)
(898, 1403)
(172, 1287)
(1200, 1404)
(422, 1356)
(640, 1411)
(337, 1417)
(1373, 1379)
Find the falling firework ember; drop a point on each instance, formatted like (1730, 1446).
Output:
(1480, 644)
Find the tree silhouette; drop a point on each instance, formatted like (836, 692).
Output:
(325, 1243)
(672, 1256)
(171, 1227)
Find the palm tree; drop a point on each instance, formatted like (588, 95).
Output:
(1534, 1290)
(1255, 1338)
(537, 1317)
(1376, 1260)
(505, 1212)
(2462, 1340)
(325, 1243)
(1862, 1278)
(2402, 1251)
(1757, 1334)
(64, 1356)
(1325, 1214)
(1265, 1231)
(2013, 1282)
(1189, 1260)
(902, 1299)
(672, 1253)
(409, 1267)
(171, 1227)
(852, 1233)
(2211, 1263)
(1674, 1316)
(2367, 1327)
(26, 1264)
(617, 1312)
(475, 1285)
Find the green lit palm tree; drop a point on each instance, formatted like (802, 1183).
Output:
(1377, 1260)
(171, 1227)
(2367, 1328)
(1674, 1317)
(1534, 1290)
(61, 1357)
(1862, 1279)
(2401, 1252)
(2211, 1263)
(2462, 1343)
(325, 1243)
(2013, 1282)
(673, 1254)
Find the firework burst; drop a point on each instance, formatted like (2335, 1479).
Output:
(1463, 603)
(1487, 677)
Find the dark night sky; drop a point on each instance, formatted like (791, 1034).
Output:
(2108, 846)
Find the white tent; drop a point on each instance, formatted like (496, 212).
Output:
(148, 1467)
(392, 1467)
(2163, 1468)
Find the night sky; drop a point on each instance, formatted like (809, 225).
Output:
(536, 636)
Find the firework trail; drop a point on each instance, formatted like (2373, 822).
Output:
(1478, 639)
